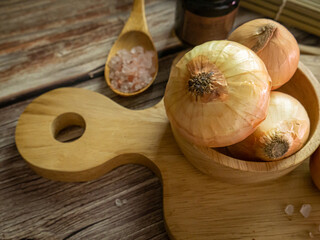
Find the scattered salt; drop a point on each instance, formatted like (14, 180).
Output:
(311, 235)
(118, 202)
(131, 70)
(289, 210)
(305, 210)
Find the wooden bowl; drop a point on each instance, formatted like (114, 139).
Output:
(216, 163)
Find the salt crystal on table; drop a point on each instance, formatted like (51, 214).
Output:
(305, 210)
(118, 202)
(289, 210)
(311, 235)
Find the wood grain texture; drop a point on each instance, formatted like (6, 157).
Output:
(49, 43)
(100, 149)
(184, 188)
(294, 18)
(53, 209)
(35, 208)
(302, 86)
(147, 140)
(46, 44)
(15, 175)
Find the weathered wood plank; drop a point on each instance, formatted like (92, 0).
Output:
(45, 44)
(49, 42)
(35, 208)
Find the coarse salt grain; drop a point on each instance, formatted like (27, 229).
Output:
(289, 210)
(130, 71)
(305, 210)
(118, 202)
(311, 235)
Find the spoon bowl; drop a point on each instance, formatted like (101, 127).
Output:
(135, 33)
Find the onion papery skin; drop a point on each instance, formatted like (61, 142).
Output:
(281, 134)
(226, 117)
(274, 44)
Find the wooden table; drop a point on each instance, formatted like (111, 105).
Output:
(49, 44)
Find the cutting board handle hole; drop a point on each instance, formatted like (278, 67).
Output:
(68, 127)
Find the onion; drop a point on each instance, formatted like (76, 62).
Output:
(315, 168)
(274, 44)
(217, 94)
(282, 133)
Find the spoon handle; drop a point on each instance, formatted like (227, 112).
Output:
(137, 20)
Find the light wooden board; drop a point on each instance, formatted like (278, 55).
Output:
(195, 205)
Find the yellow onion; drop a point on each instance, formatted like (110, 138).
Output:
(282, 133)
(217, 94)
(274, 44)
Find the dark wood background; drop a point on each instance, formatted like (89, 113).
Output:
(48, 44)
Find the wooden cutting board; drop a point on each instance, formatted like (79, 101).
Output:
(195, 205)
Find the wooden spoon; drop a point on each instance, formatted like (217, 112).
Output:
(134, 33)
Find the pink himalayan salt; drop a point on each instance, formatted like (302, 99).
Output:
(118, 202)
(289, 210)
(131, 71)
(305, 210)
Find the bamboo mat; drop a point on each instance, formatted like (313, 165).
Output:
(302, 14)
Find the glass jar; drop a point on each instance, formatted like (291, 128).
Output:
(199, 21)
